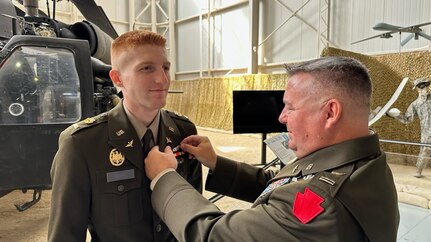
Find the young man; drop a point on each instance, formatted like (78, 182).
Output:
(98, 174)
(421, 107)
(340, 188)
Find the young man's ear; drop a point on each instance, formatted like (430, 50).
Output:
(115, 77)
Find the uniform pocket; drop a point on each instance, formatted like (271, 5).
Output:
(120, 193)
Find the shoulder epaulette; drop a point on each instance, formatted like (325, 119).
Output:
(178, 116)
(331, 182)
(89, 122)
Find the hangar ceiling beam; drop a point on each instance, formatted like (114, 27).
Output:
(254, 36)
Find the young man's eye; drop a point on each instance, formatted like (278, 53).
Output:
(147, 68)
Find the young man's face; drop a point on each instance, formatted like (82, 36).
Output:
(144, 77)
(302, 116)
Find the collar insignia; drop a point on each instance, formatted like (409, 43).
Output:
(129, 144)
(120, 132)
(168, 140)
(171, 129)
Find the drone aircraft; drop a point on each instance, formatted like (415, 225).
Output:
(52, 74)
(414, 30)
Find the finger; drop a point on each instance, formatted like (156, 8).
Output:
(168, 150)
(192, 139)
(188, 148)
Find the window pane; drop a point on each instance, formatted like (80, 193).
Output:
(39, 85)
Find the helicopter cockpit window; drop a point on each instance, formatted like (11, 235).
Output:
(39, 85)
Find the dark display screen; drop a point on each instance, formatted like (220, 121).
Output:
(257, 111)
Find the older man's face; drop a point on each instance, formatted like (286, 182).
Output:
(303, 115)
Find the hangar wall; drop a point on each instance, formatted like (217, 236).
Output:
(208, 102)
(288, 31)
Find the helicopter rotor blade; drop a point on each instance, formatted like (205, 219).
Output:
(96, 15)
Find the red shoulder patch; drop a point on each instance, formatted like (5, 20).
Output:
(307, 206)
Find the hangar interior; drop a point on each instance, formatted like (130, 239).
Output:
(217, 46)
(220, 46)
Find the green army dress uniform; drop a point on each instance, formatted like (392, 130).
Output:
(99, 179)
(344, 192)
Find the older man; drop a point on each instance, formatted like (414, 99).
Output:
(339, 189)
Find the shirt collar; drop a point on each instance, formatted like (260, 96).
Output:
(141, 128)
(340, 154)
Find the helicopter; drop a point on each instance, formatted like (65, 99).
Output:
(52, 74)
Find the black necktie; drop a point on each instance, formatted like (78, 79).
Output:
(147, 142)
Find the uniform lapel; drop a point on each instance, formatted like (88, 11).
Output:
(122, 136)
(169, 135)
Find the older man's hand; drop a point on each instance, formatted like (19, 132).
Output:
(157, 161)
(201, 148)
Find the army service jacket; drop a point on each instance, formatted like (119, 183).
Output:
(346, 193)
(99, 180)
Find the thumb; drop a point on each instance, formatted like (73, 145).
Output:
(168, 150)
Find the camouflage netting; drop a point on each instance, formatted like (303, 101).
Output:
(208, 102)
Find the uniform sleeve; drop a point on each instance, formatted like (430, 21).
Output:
(197, 219)
(70, 199)
(238, 180)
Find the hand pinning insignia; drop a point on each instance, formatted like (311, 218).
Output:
(120, 132)
(116, 158)
(179, 152)
(129, 144)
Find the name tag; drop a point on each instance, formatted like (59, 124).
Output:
(120, 175)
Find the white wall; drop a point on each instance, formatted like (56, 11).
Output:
(222, 45)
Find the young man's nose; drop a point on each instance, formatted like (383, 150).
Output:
(162, 76)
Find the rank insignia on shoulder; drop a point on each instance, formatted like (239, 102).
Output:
(116, 158)
(89, 120)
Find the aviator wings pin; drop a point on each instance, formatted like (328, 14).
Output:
(129, 144)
